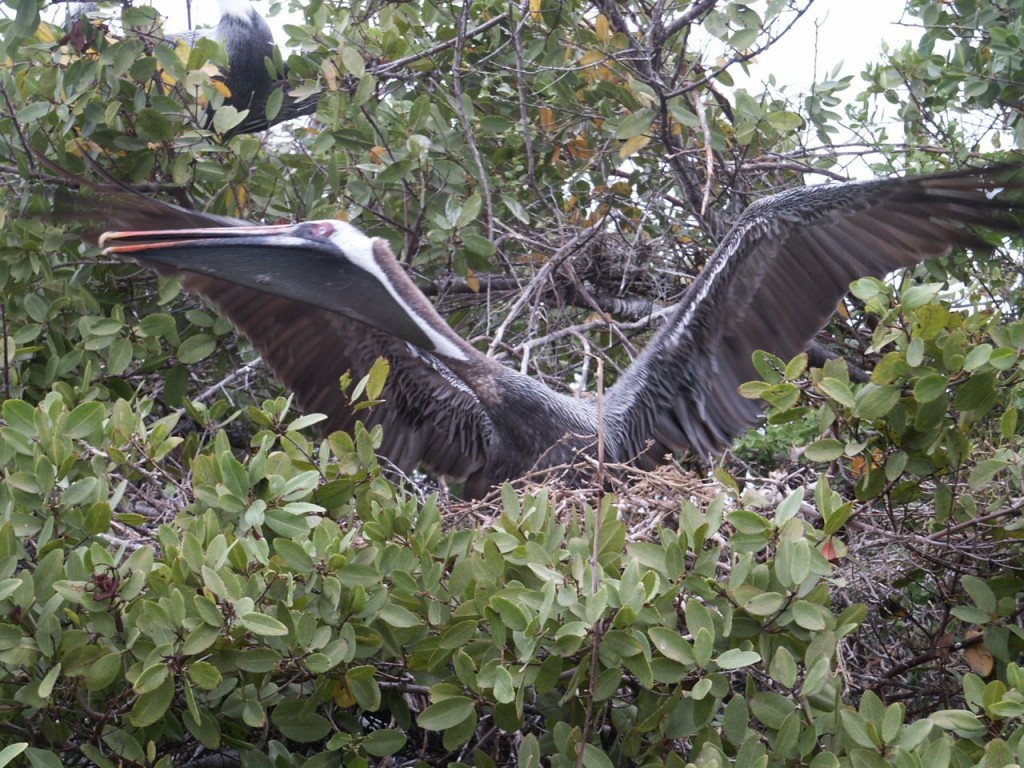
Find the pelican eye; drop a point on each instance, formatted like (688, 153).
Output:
(322, 229)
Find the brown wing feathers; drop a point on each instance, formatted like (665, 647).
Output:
(771, 285)
(776, 280)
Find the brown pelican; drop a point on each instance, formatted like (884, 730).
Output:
(249, 43)
(321, 298)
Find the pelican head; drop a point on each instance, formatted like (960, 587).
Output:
(326, 263)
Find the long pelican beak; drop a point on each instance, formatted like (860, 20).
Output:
(291, 261)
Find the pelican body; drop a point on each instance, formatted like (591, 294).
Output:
(320, 298)
(249, 43)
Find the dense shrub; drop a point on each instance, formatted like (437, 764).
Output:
(188, 577)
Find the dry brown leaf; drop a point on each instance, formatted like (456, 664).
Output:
(547, 118)
(978, 657)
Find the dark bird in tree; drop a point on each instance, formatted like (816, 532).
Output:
(249, 44)
(320, 298)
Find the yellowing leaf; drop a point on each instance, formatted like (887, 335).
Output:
(182, 50)
(45, 34)
(593, 67)
(342, 696)
(535, 10)
(222, 88)
(377, 377)
(631, 146)
(472, 281)
(241, 194)
(78, 147)
(603, 28)
(331, 74)
(376, 153)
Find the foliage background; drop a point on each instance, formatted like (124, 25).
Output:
(187, 576)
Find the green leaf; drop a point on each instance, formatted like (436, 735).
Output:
(782, 396)
(930, 387)
(826, 449)
(353, 62)
(274, 103)
(226, 118)
(980, 593)
(783, 667)
(736, 659)
(8, 753)
(261, 624)
(838, 391)
(977, 357)
(892, 722)
(158, 325)
(25, 21)
(977, 394)
(957, 720)
(784, 122)
(103, 671)
(205, 729)
(874, 402)
(512, 616)
(152, 677)
(504, 688)
(48, 681)
(984, 471)
(364, 688)
(306, 421)
(298, 722)
(856, 728)
(671, 645)
(197, 347)
(20, 416)
(796, 367)
(809, 615)
(595, 757)
(152, 706)
(154, 126)
(764, 604)
(446, 714)
(634, 124)
(470, 210)
(384, 742)
(397, 616)
(204, 674)
(294, 555)
(258, 660)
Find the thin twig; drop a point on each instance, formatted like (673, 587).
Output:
(384, 69)
(575, 244)
(467, 129)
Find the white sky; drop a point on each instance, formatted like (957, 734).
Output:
(837, 31)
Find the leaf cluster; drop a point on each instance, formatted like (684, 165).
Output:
(285, 621)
